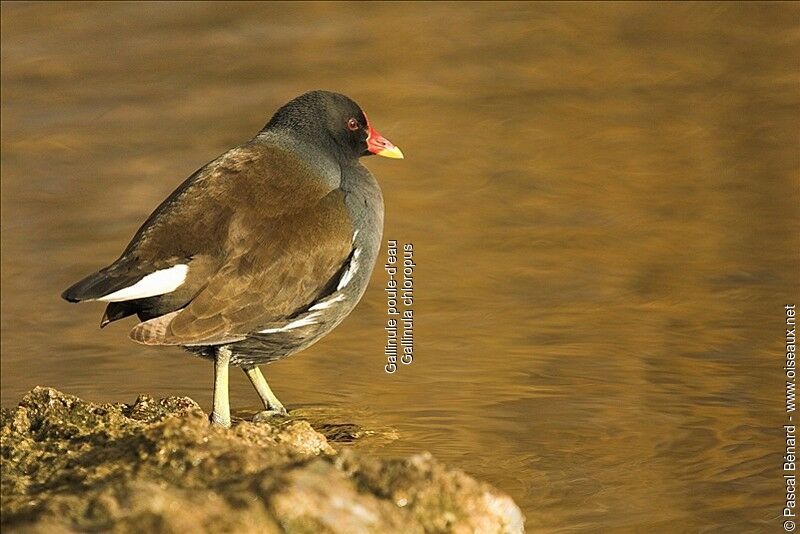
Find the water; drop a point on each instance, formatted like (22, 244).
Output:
(603, 201)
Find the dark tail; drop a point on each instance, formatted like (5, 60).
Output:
(90, 287)
(101, 283)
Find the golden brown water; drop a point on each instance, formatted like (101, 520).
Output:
(603, 201)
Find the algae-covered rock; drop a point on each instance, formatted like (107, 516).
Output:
(158, 466)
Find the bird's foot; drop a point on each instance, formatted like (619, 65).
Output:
(219, 420)
(266, 415)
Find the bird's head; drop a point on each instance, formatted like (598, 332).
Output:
(334, 121)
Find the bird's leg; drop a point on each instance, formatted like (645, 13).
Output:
(271, 403)
(221, 414)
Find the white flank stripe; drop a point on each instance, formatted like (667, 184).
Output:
(354, 236)
(157, 283)
(351, 269)
(326, 303)
(305, 321)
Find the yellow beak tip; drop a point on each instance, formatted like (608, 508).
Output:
(393, 153)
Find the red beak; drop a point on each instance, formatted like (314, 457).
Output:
(378, 144)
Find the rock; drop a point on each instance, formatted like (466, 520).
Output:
(158, 466)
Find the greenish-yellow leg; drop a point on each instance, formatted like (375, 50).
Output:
(271, 403)
(221, 414)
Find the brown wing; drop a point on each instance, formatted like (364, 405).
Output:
(257, 181)
(273, 268)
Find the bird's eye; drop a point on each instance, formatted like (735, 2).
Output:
(352, 124)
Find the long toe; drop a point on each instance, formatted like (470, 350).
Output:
(266, 415)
